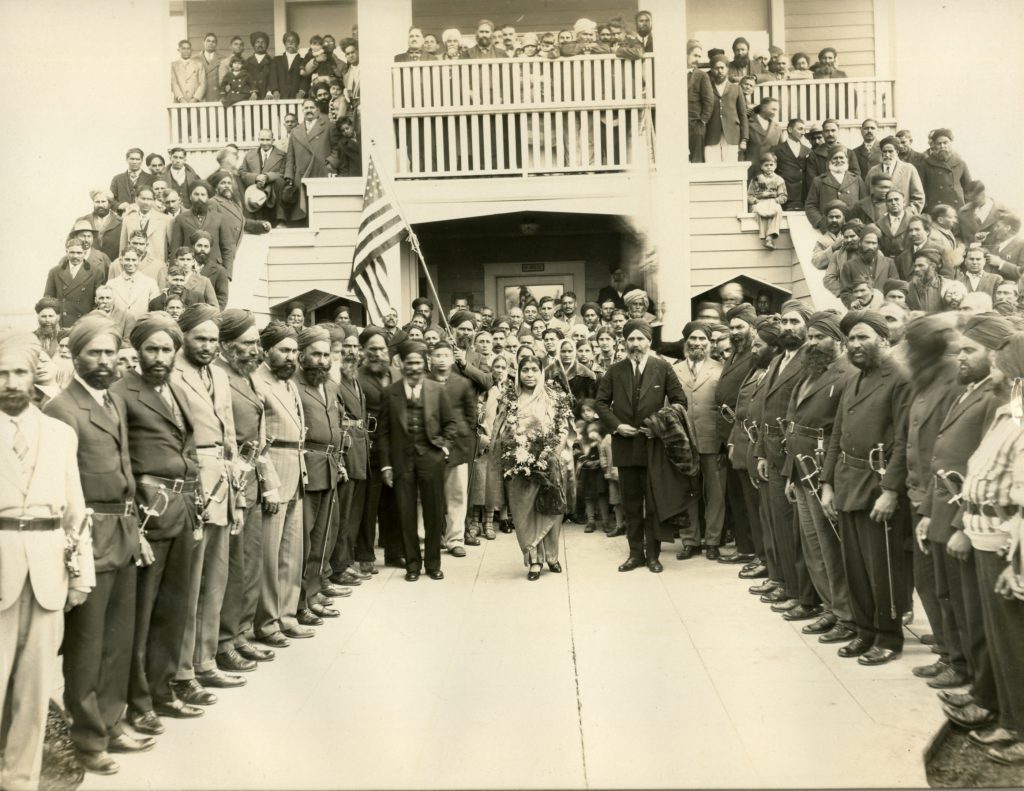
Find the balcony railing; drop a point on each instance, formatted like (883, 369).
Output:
(208, 126)
(521, 117)
(846, 100)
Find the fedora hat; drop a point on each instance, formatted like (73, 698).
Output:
(255, 198)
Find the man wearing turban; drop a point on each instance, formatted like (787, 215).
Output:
(869, 438)
(41, 491)
(202, 217)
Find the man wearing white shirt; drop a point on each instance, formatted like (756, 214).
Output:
(143, 217)
(132, 289)
(973, 275)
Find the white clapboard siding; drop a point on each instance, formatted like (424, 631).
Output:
(849, 26)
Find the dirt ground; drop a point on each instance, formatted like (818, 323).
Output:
(957, 763)
(61, 771)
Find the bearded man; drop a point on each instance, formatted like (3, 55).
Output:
(925, 282)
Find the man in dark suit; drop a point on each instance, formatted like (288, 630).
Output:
(872, 412)
(286, 80)
(417, 427)
(309, 156)
(203, 216)
(98, 633)
(259, 64)
(868, 153)
(765, 133)
(817, 162)
(725, 138)
(106, 223)
(164, 462)
(700, 100)
(617, 289)
(233, 222)
(973, 275)
(631, 391)
(645, 30)
(264, 167)
(125, 186)
(1005, 248)
(798, 600)
(73, 282)
(792, 154)
(810, 416)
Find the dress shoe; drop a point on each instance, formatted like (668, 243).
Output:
(758, 572)
(255, 653)
(506, 526)
(307, 617)
(958, 699)
(231, 661)
(687, 552)
(970, 716)
(590, 528)
(616, 533)
(1007, 756)
(927, 639)
(785, 605)
(396, 563)
(277, 640)
(655, 566)
(457, 552)
(219, 679)
(765, 587)
(837, 634)
(298, 632)
(534, 573)
(774, 596)
(929, 671)
(436, 575)
(489, 533)
(323, 611)
(412, 576)
(123, 743)
(146, 722)
(367, 567)
(335, 591)
(555, 567)
(99, 763)
(991, 737)
(177, 709)
(736, 559)
(878, 656)
(362, 576)
(192, 692)
(472, 541)
(801, 613)
(949, 679)
(823, 625)
(855, 647)
(712, 553)
(346, 580)
(632, 563)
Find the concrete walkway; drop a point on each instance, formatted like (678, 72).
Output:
(589, 678)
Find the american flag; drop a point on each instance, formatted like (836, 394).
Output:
(381, 228)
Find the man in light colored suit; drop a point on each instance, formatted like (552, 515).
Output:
(188, 77)
(282, 507)
(905, 177)
(144, 217)
(309, 156)
(699, 375)
(41, 508)
(132, 290)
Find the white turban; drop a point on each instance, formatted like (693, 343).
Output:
(584, 25)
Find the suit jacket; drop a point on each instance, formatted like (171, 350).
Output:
(322, 419)
(234, 224)
(701, 403)
(907, 180)
(824, 189)
(749, 407)
(123, 189)
(854, 268)
(616, 405)
(970, 224)
(988, 283)
(105, 469)
(700, 96)
(929, 403)
(77, 294)
(872, 411)
(791, 170)
(944, 181)
(217, 277)
(357, 440)
(307, 157)
(159, 445)
(213, 223)
(893, 240)
(251, 167)
(728, 118)
(462, 398)
(108, 237)
(779, 388)
(609, 293)
(260, 73)
(814, 407)
(285, 422)
(36, 557)
(868, 159)
(762, 141)
(817, 165)
(184, 189)
(134, 298)
(285, 82)
(158, 232)
(439, 421)
(960, 432)
(1008, 262)
(212, 70)
(727, 391)
(188, 80)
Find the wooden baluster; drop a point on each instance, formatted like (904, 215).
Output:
(549, 154)
(403, 145)
(561, 141)
(623, 117)
(572, 149)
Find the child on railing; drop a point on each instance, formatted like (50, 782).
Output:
(766, 195)
(237, 85)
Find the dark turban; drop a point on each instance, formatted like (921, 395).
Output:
(369, 332)
(254, 37)
(1005, 308)
(896, 285)
(827, 322)
(767, 329)
(461, 317)
(796, 306)
(24, 345)
(311, 335)
(1010, 359)
(87, 328)
(219, 176)
(152, 323)
(872, 318)
(932, 254)
(835, 204)
(234, 323)
(590, 306)
(195, 236)
(412, 347)
(741, 40)
(692, 326)
(197, 314)
(992, 332)
(744, 311)
(275, 332)
(719, 58)
(637, 324)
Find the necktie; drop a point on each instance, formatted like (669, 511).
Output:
(172, 403)
(20, 444)
(108, 404)
(204, 373)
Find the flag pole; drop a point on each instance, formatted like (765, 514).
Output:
(414, 241)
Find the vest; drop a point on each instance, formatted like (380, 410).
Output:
(416, 424)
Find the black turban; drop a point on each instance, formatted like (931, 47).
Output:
(932, 254)
(992, 332)
(827, 322)
(87, 328)
(311, 335)
(692, 327)
(195, 236)
(412, 347)
(637, 324)
(196, 314)
(1010, 359)
(718, 58)
(767, 329)
(896, 285)
(835, 204)
(461, 317)
(795, 305)
(234, 323)
(275, 332)
(219, 176)
(590, 306)
(369, 332)
(743, 311)
(872, 318)
(152, 323)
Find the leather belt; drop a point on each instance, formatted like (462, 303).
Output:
(214, 451)
(990, 511)
(772, 431)
(806, 431)
(288, 445)
(352, 423)
(126, 508)
(30, 523)
(853, 461)
(176, 485)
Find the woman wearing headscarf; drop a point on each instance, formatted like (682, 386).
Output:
(532, 434)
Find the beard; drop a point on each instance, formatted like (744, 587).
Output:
(740, 343)
(696, 355)
(201, 258)
(871, 357)
(741, 60)
(763, 356)
(100, 378)
(816, 361)
(155, 374)
(790, 341)
(283, 370)
(46, 331)
(101, 212)
(316, 375)
(199, 207)
(14, 402)
(968, 375)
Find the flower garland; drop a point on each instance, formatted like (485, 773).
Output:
(530, 453)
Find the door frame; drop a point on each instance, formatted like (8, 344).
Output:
(577, 270)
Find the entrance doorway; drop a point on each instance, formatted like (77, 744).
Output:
(510, 285)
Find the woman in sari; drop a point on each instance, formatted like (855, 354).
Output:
(532, 437)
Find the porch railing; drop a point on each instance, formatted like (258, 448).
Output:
(845, 100)
(520, 117)
(208, 126)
